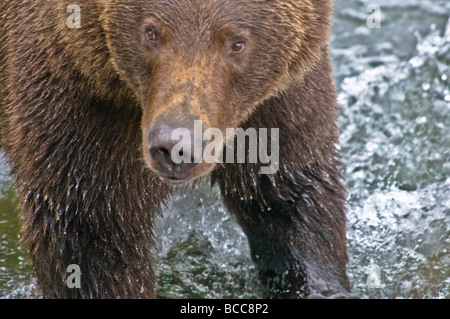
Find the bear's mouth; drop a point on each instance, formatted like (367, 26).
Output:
(175, 180)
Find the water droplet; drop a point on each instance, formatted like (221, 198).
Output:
(416, 62)
(421, 120)
(426, 86)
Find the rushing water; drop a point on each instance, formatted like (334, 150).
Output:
(394, 92)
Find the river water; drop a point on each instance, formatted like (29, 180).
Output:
(394, 92)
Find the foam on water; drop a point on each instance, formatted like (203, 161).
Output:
(203, 252)
(396, 142)
(407, 235)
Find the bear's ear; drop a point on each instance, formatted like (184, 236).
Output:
(311, 26)
(119, 20)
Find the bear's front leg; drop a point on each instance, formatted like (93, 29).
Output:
(295, 218)
(87, 199)
(295, 224)
(296, 230)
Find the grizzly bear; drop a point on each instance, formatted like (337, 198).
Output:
(87, 114)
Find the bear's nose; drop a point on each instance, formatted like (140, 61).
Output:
(174, 157)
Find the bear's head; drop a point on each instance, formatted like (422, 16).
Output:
(210, 61)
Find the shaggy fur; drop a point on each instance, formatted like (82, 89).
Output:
(77, 106)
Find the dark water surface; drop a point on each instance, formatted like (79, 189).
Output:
(394, 92)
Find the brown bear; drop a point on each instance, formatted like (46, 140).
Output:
(87, 110)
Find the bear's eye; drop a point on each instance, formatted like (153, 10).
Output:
(150, 35)
(238, 47)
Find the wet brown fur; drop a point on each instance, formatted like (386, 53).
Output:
(77, 106)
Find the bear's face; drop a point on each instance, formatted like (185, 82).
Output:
(212, 61)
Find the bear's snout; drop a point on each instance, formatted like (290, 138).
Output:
(173, 153)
